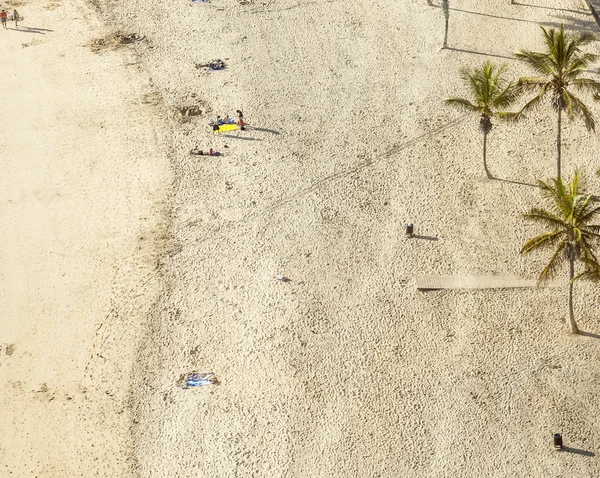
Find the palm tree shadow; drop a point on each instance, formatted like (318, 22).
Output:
(589, 334)
(514, 182)
(580, 12)
(496, 16)
(576, 24)
(480, 53)
(571, 23)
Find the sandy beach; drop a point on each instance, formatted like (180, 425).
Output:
(84, 207)
(167, 260)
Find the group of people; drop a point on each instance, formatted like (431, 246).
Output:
(228, 120)
(14, 17)
(216, 124)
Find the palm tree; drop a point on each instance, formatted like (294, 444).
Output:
(490, 96)
(561, 66)
(570, 233)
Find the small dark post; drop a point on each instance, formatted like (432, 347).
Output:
(558, 444)
(409, 229)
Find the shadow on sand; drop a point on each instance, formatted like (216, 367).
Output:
(493, 178)
(41, 31)
(265, 130)
(577, 451)
(589, 334)
(243, 138)
(425, 238)
(580, 12)
(480, 53)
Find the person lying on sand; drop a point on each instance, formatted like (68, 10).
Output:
(210, 152)
(216, 64)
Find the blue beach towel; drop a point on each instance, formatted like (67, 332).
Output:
(200, 379)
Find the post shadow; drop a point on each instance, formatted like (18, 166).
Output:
(425, 238)
(577, 451)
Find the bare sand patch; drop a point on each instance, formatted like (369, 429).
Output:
(85, 216)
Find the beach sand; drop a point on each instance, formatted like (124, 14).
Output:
(347, 370)
(84, 189)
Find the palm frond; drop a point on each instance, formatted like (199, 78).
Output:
(574, 184)
(544, 217)
(581, 110)
(490, 93)
(539, 62)
(588, 215)
(555, 261)
(532, 105)
(556, 193)
(506, 97)
(462, 104)
(543, 240)
(587, 85)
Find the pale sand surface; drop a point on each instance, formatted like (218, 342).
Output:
(83, 202)
(347, 370)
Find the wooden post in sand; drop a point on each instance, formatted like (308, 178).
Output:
(558, 443)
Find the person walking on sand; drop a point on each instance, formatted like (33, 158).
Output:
(3, 18)
(15, 18)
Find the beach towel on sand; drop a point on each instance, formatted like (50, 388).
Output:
(200, 379)
(226, 127)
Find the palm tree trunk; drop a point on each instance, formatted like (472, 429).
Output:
(572, 323)
(485, 155)
(446, 34)
(558, 142)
